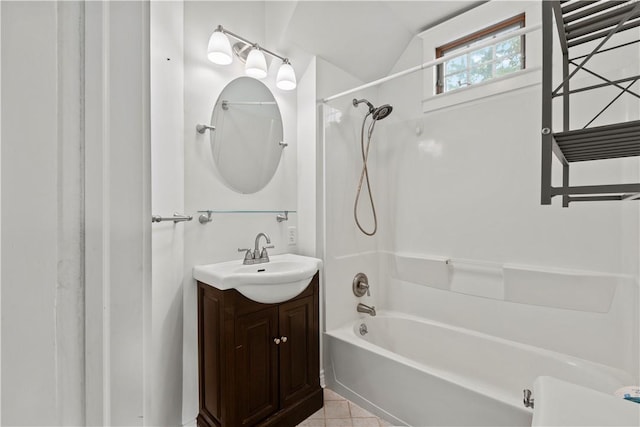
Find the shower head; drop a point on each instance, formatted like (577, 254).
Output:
(377, 113)
(381, 112)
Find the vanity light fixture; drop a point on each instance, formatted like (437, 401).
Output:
(219, 52)
(256, 65)
(286, 79)
(219, 49)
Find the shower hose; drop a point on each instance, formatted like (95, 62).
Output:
(364, 176)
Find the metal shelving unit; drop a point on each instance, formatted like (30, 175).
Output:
(580, 22)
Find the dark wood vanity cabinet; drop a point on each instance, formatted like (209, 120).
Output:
(258, 364)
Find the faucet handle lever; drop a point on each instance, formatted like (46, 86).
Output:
(263, 254)
(364, 286)
(248, 255)
(361, 285)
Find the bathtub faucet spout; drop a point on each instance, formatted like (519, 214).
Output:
(362, 308)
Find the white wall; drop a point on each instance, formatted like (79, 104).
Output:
(163, 377)
(0, 218)
(220, 239)
(117, 201)
(463, 183)
(488, 164)
(30, 194)
(75, 211)
(307, 161)
(117, 209)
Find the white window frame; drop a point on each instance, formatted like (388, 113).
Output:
(470, 22)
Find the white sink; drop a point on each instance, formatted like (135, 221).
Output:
(280, 279)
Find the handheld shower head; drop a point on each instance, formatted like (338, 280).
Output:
(381, 112)
(376, 113)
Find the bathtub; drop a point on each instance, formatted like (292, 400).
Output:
(417, 372)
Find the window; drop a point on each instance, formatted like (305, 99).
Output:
(483, 64)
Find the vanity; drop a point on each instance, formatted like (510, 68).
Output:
(258, 342)
(258, 317)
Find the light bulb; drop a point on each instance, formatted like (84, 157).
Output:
(256, 66)
(286, 79)
(219, 49)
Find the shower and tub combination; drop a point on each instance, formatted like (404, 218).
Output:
(477, 290)
(441, 341)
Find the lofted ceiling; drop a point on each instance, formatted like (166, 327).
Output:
(364, 38)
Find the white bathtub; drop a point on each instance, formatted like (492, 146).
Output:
(418, 372)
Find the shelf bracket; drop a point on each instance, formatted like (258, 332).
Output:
(204, 128)
(205, 217)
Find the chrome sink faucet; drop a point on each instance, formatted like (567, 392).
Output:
(256, 256)
(363, 308)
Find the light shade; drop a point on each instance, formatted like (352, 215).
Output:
(219, 49)
(256, 66)
(286, 79)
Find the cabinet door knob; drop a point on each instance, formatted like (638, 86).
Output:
(284, 339)
(276, 340)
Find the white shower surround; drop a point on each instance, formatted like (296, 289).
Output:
(462, 182)
(418, 372)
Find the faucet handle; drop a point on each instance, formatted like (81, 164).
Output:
(264, 254)
(361, 285)
(248, 255)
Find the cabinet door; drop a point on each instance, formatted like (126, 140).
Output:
(299, 364)
(257, 365)
(209, 353)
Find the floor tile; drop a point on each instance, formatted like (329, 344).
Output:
(336, 409)
(358, 412)
(338, 422)
(332, 395)
(340, 412)
(365, 422)
(312, 422)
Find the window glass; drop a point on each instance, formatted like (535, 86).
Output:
(485, 63)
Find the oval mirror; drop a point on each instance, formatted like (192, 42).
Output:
(246, 143)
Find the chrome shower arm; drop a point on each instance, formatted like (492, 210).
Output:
(359, 101)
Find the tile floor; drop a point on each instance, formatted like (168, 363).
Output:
(339, 412)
